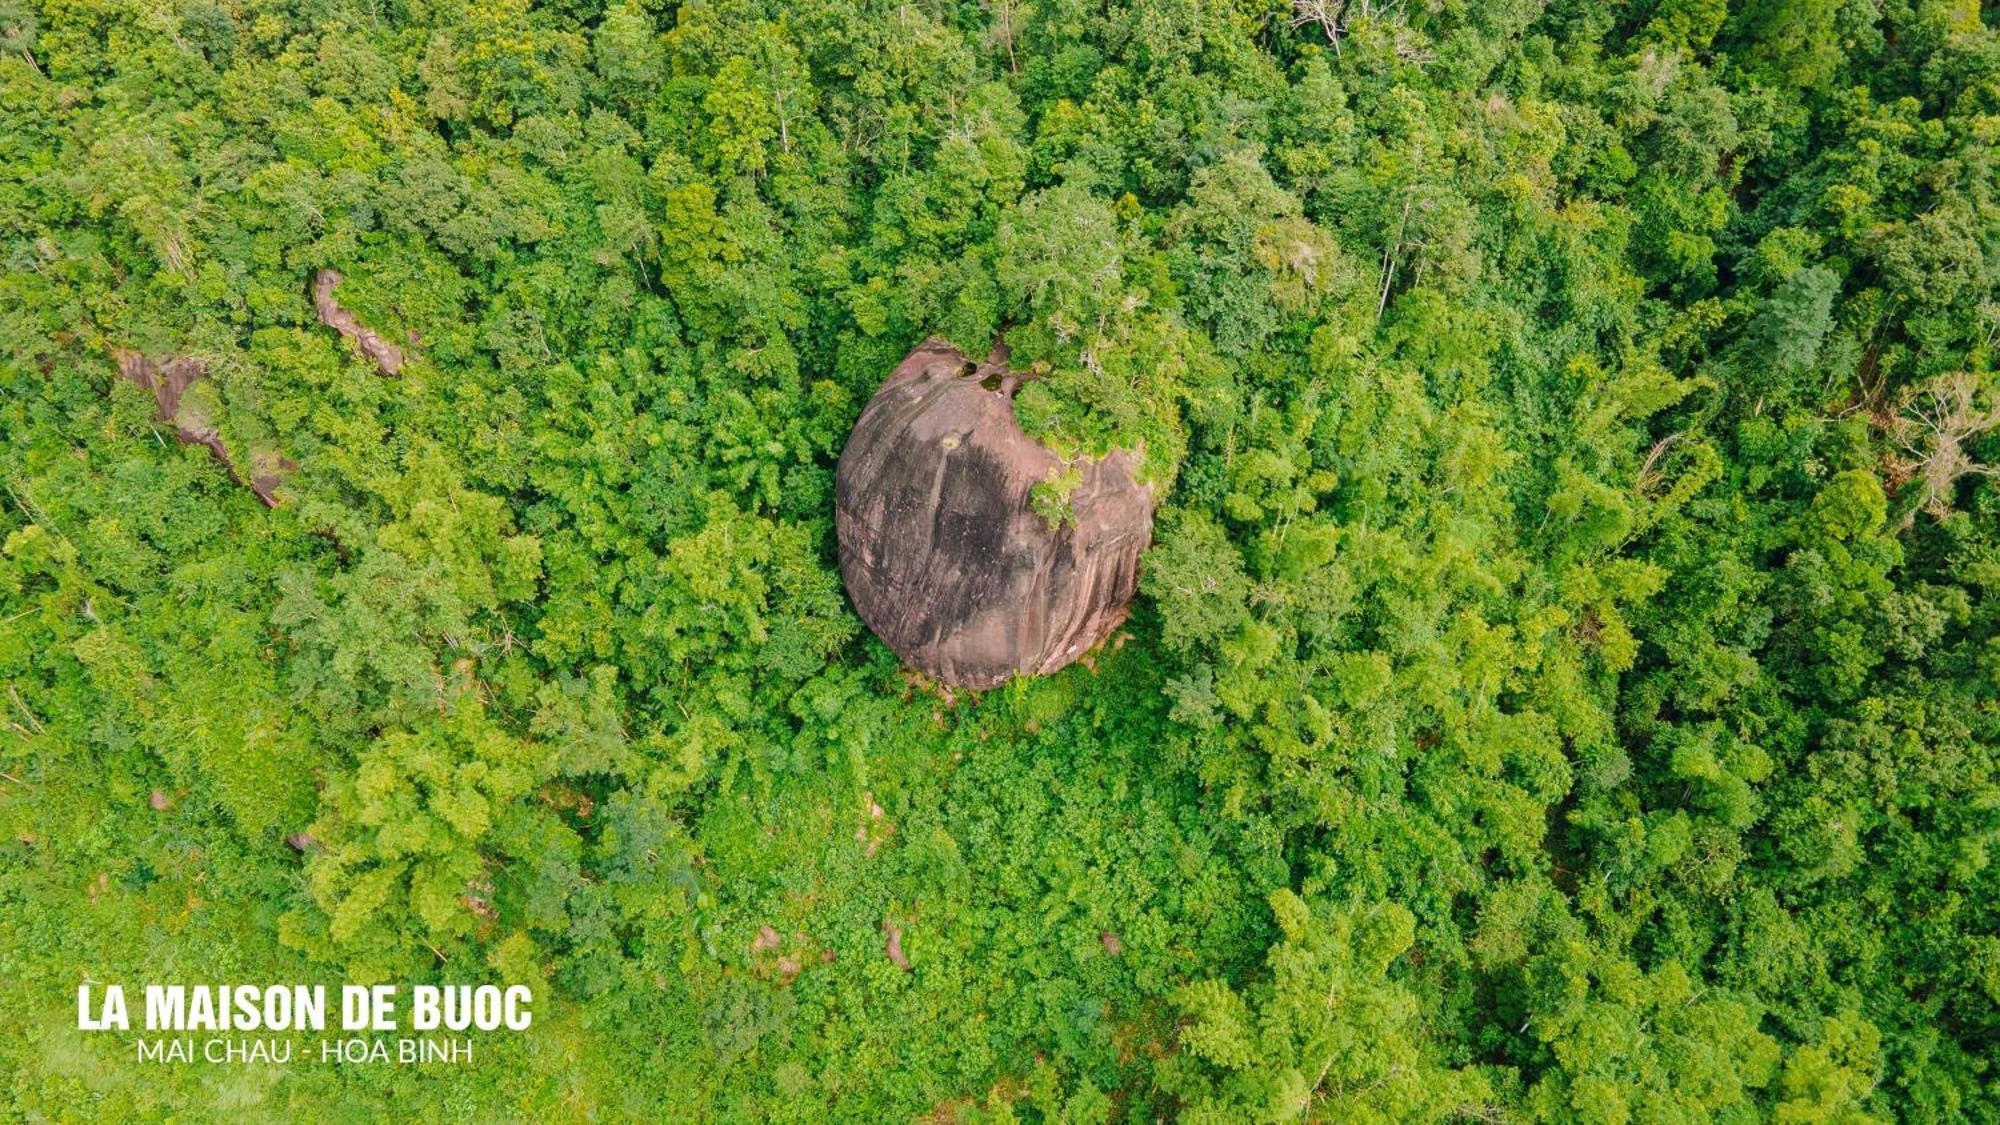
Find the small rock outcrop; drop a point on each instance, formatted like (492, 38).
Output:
(387, 357)
(168, 382)
(941, 549)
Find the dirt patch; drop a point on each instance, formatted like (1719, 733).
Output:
(894, 944)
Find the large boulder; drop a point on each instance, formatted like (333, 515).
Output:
(943, 554)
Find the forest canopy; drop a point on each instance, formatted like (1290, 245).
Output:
(1564, 685)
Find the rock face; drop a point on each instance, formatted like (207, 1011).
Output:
(168, 383)
(942, 554)
(387, 357)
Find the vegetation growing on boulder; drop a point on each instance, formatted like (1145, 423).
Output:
(951, 550)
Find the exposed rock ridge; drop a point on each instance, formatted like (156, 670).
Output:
(387, 357)
(168, 383)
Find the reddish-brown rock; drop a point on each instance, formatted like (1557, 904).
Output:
(942, 554)
(168, 383)
(387, 357)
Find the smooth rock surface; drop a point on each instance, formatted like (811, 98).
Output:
(942, 554)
